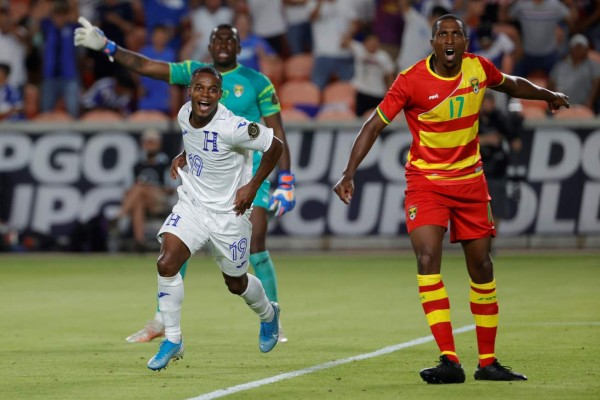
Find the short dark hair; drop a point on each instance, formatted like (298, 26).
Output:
(208, 70)
(438, 11)
(232, 28)
(444, 17)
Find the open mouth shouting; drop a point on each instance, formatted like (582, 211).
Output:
(449, 53)
(203, 106)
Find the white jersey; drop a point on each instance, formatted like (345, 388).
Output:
(219, 156)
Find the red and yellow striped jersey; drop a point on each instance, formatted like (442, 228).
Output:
(443, 118)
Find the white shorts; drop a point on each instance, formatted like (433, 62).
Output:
(227, 234)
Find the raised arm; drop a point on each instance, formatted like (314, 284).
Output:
(521, 88)
(369, 132)
(93, 38)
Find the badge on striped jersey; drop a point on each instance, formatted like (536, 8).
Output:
(475, 85)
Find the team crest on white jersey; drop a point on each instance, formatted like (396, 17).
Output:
(253, 130)
(238, 90)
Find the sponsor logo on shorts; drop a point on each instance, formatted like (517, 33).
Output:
(241, 265)
(162, 294)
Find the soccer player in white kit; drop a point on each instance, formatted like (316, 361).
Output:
(214, 208)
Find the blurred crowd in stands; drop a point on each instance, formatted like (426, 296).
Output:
(328, 59)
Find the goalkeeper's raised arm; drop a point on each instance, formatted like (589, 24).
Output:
(91, 37)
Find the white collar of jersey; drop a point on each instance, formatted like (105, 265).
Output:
(221, 114)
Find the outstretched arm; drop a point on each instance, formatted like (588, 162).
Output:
(369, 132)
(141, 64)
(521, 88)
(93, 38)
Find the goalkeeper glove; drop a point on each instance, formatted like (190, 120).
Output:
(93, 38)
(283, 198)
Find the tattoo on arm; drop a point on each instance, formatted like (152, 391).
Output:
(129, 59)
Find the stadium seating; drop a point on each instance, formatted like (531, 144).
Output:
(294, 115)
(335, 115)
(526, 103)
(102, 116)
(298, 67)
(340, 93)
(273, 69)
(575, 111)
(53, 116)
(303, 95)
(147, 116)
(529, 109)
(533, 113)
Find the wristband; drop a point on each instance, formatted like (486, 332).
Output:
(286, 178)
(110, 48)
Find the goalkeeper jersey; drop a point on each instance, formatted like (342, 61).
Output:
(443, 118)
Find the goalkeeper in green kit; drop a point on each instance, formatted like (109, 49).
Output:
(247, 93)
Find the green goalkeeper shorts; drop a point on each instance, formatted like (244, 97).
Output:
(264, 191)
(263, 195)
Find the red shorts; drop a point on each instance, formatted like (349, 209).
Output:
(465, 206)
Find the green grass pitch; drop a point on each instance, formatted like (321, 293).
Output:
(64, 318)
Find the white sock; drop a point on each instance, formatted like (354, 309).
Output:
(257, 300)
(170, 299)
(158, 316)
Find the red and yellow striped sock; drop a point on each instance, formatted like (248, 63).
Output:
(437, 310)
(484, 307)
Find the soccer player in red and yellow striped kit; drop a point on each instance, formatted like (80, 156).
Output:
(441, 96)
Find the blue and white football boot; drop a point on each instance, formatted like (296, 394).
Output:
(269, 331)
(167, 351)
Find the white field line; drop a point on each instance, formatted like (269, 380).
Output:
(288, 375)
(566, 323)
